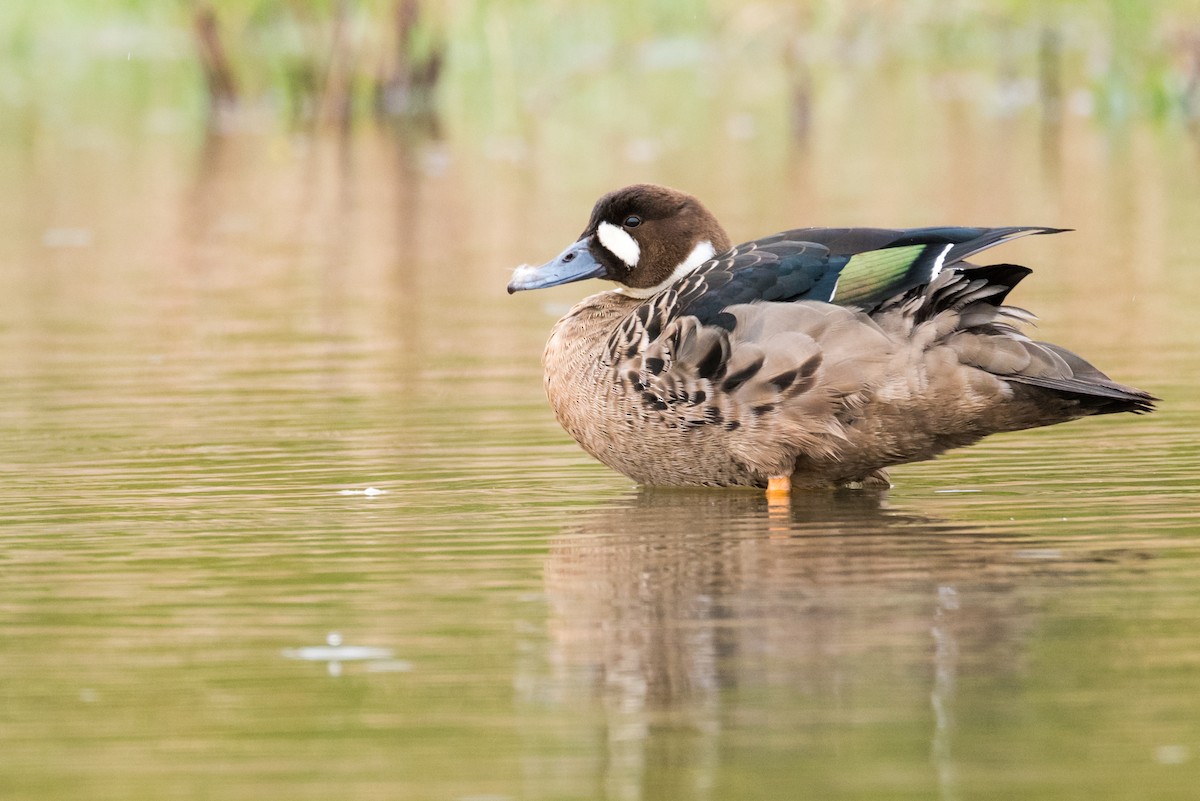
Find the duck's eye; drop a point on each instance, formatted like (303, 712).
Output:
(632, 221)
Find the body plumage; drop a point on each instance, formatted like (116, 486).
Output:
(817, 357)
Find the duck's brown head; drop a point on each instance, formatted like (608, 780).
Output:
(645, 237)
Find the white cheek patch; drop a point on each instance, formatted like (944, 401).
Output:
(700, 254)
(618, 242)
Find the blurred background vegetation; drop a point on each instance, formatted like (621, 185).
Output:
(168, 65)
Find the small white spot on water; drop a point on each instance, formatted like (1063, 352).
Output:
(67, 237)
(334, 653)
(954, 491)
(339, 653)
(1038, 553)
(370, 492)
(1171, 754)
(390, 666)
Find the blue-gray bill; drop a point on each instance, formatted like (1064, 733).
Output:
(573, 264)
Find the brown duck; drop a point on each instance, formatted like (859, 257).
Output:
(815, 357)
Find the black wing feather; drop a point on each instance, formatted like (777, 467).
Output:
(806, 264)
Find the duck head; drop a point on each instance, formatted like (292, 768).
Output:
(644, 237)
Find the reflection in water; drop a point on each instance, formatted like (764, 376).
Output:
(945, 664)
(667, 605)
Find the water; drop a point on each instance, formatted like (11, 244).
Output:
(285, 513)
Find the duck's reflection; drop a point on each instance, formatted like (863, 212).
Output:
(689, 620)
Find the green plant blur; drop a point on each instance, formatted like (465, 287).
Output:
(83, 61)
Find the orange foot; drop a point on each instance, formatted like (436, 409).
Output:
(779, 489)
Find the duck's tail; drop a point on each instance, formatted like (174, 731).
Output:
(984, 334)
(1094, 390)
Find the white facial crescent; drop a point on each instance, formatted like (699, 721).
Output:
(618, 242)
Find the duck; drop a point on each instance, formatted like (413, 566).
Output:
(813, 358)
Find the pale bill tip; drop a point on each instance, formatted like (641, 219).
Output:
(523, 271)
(522, 275)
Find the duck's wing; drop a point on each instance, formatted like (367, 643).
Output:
(860, 267)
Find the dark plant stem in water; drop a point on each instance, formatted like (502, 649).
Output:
(407, 88)
(321, 80)
(222, 89)
(335, 102)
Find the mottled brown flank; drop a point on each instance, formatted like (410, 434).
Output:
(826, 394)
